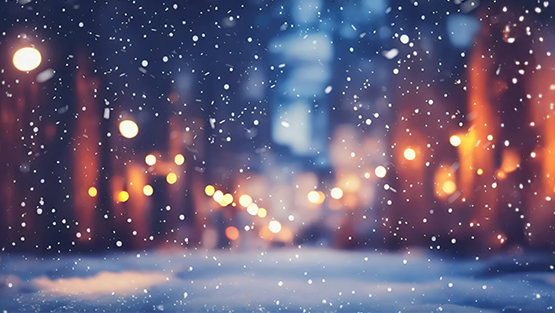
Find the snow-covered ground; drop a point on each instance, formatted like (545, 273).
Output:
(285, 280)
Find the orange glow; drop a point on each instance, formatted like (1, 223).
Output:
(349, 183)
(449, 187)
(510, 161)
(501, 174)
(336, 193)
(179, 159)
(93, 192)
(148, 190)
(316, 197)
(123, 196)
(274, 226)
(533, 154)
(455, 141)
(380, 171)
(27, 59)
(150, 159)
(232, 233)
(209, 190)
(171, 178)
(262, 212)
(128, 129)
(480, 171)
(409, 154)
(218, 196)
(252, 209)
(245, 200)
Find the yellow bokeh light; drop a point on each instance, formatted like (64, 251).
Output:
(336, 193)
(480, 171)
(93, 192)
(366, 175)
(123, 196)
(209, 190)
(316, 197)
(455, 141)
(128, 129)
(245, 200)
(380, 171)
(150, 159)
(449, 187)
(232, 233)
(179, 159)
(27, 59)
(490, 137)
(171, 178)
(409, 154)
(262, 212)
(252, 209)
(218, 196)
(228, 198)
(274, 226)
(533, 154)
(148, 190)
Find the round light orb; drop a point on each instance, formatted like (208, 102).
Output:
(380, 171)
(128, 129)
(409, 154)
(150, 159)
(336, 193)
(455, 141)
(275, 227)
(26, 59)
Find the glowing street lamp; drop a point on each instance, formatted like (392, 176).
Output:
(128, 129)
(26, 59)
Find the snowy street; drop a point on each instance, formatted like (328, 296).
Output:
(287, 280)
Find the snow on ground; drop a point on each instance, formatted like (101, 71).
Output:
(285, 280)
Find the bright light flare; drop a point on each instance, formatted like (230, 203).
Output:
(209, 190)
(245, 200)
(128, 129)
(93, 192)
(316, 197)
(228, 198)
(262, 212)
(455, 141)
(27, 59)
(409, 154)
(380, 171)
(179, 159)
(148, 190)
(123, 196)
(171, 178)
(449, 187)
(218, 196)
(232, 233)
(252, 209)
(150, 160)
(336, 193)
(275, 227)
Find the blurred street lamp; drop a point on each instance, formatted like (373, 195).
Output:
(27, 59)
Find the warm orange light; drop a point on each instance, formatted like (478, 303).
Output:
(510, 160)
(252, 209)
(148, 190)
(409, 154)
(336, 193)
(150, 159)
(179, 159)
(274, 226)
(232, 233)
(218, 196)
(262, 212)
(380, 171)
(313, 196)
(128, 129)
(27, 59)
(93, 192)
(123, 196)
(455, 141)
(449, 187)
(209, 190)
(533, 154)
(480, 171)
(245, 200)
(171, 178)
